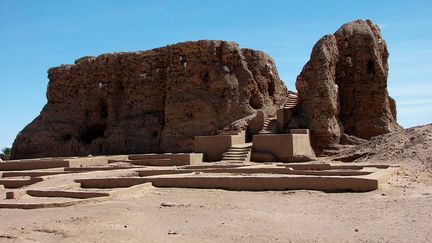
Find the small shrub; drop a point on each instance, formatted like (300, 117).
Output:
(5, 153)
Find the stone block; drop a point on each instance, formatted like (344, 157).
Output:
(284, 147)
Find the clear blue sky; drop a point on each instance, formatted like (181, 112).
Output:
(36, 35)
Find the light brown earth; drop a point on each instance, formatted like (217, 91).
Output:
(399, 211)
(411, 147)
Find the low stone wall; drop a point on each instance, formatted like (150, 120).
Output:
(94, 160)
(284, 147)
(179, 159)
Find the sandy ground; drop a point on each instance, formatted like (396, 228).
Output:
(400, 211)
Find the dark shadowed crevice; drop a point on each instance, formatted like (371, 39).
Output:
(103, 109)
(271, 89)
(206, 77)
(370, 67)
(255, 101)
(154, 134)
(67, 137)
(88, 134)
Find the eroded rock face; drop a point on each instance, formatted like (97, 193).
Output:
(151, 101)
(362, 80)
(318, 93)
(343, 88)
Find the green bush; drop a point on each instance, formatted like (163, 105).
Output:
(5, 153)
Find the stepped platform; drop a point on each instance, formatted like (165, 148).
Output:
(108, 176)
(213, 147)
(238, 153)
(337, 179)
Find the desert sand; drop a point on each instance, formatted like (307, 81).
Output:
(399, 211)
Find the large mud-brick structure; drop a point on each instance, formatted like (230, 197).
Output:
(150, 101)
(159, 100)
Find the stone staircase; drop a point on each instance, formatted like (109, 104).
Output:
(238, 153)
(291, 102)
(268, 126)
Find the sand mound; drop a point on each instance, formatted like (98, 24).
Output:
(411, 147)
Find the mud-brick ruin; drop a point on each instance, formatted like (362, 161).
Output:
(214, 108)
(159, 100)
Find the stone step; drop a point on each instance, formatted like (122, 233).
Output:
(335, 171)
(209, 166)
(101, 168)
(33, 173)
(268, 183)
(114, 182)
(32, 164)
(67, 194)
(234, 158)
(235, 155)
(19, 182)
(149, 162)
(34, 202)
(178, 159)
(239, 149)
(152, 162)
(237, 152)
(163, 172)
(264, 132)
